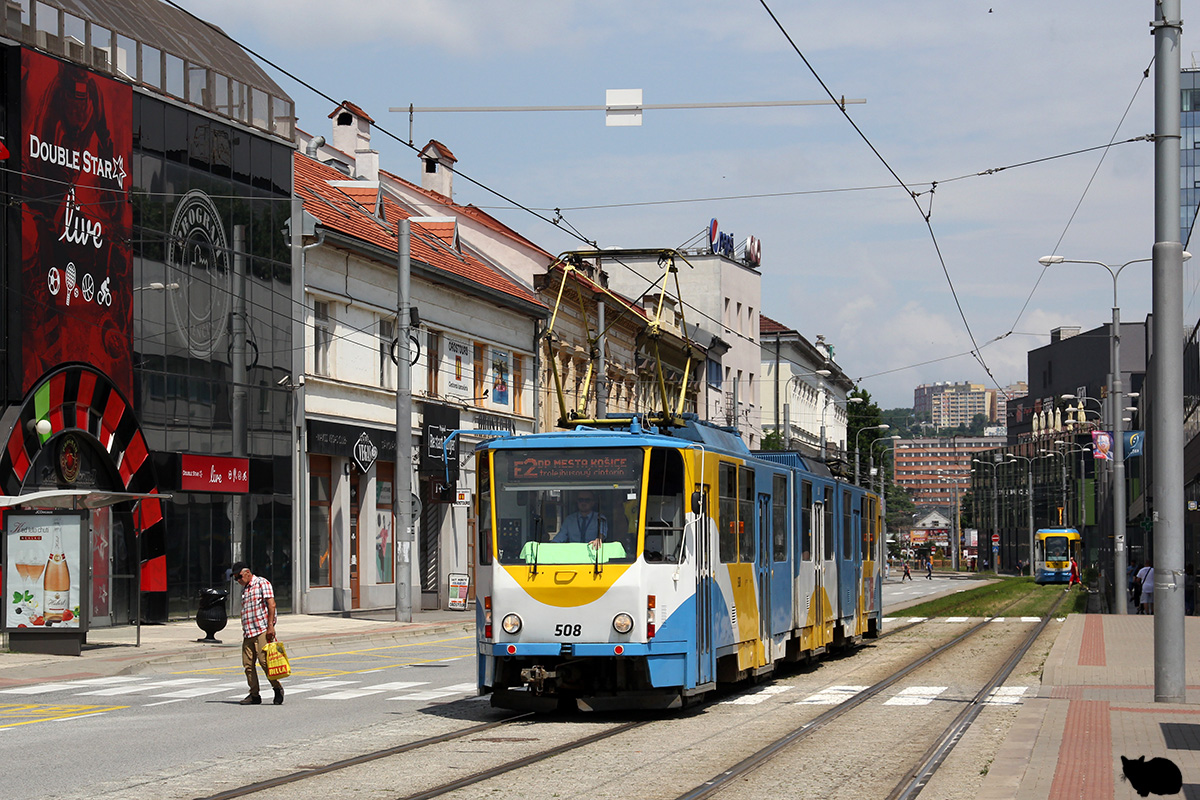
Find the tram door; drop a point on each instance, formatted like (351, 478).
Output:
(704, 587)
(819, 562)
(765, 543)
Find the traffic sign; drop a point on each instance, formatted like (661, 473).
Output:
(995, 538)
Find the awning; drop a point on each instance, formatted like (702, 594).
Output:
(74, 499)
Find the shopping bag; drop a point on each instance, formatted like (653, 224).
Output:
(278, 666)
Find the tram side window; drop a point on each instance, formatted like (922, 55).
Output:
(866, 525)
(847, 526)
(664, 507)
(829, 529)
(747, 552)
(483, 513)
(727, 511)
(806, 502)
(779, 527)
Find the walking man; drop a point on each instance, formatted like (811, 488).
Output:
(258, 628)
(929, 568)
(907, 575)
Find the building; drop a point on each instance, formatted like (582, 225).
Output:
(150, 328)
(936, 472)
(1189, 155)
(949, 405)
(721, 289)
(805, 407)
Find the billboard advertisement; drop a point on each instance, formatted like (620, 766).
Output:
(76, 220)
(42, 571)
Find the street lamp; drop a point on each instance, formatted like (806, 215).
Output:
(830, 400)
(1049, 454)
(1081, 520)
(995, 493)
(1029, 496)
(882, 427)
(787, 412)
(1118, 449)
(882, 482)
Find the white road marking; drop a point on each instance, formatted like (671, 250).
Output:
(916, 696)
(832, 696)
(759, 696)
(437, 694)
(957, 619)
(1006, 695)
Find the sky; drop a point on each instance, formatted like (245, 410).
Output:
(952, 90)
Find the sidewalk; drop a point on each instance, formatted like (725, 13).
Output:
(1096, 704)
(113, 651)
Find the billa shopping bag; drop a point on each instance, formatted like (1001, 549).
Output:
(278, 666)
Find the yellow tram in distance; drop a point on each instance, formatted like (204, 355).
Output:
(1053, 550)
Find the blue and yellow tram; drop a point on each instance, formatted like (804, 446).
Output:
(638, 567)
(1053, 550)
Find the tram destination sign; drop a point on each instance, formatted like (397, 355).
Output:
(575, 467)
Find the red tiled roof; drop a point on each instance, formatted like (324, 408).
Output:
(768, 325)
(353, 109)
(349, 210)
(482, 217)
(445, 151)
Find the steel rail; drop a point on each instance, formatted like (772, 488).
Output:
(935, 756)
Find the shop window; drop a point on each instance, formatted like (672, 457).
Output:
(319, 501)
(385, 522)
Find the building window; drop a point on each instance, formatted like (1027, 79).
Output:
(318, 520)
(433, 360)
(322, 337)
(387, 335)
(714, 374)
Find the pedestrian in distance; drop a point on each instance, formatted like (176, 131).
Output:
(907, 576)
(1073, 580)
(929, 568)
(258, 628)
(1146, 577)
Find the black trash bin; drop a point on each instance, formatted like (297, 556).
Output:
(211, 616)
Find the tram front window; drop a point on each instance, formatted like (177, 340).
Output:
(567, 506)
(1056, 548)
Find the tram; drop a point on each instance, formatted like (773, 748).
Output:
(1053, 550)
(639, 566)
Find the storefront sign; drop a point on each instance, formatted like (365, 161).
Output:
(460, 586)
(76, 220)
(458, 367)
(438, 423)
(214, 474)
(338, 439)
(365, 452)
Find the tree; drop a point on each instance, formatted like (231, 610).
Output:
(773, 441)
(860, 417)
(900, 508)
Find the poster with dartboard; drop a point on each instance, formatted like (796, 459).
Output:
(76, 222)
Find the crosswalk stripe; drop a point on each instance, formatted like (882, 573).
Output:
(437, 694)
(831, 696)
(1006, 695)
(759, 696)
(957, 619)
(916, 696)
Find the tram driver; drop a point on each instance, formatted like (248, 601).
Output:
(585, 524)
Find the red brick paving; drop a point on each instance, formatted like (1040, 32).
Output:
(1091, 649)
(1085, 769)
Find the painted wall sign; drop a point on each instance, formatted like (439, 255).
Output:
(76, 220)
(214, 474)
(457, 360)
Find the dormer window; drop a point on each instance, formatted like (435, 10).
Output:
(431, 166)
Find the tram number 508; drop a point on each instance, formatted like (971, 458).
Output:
(568, 630)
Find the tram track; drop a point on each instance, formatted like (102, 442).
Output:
(914, 779)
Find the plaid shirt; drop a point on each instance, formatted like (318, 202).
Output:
(255, 613)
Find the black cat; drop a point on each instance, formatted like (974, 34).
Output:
(1156, 776)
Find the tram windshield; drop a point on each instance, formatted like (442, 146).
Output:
(1057, 548)
(567, 506)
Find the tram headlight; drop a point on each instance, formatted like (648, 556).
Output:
(622, 623)
(511, 623)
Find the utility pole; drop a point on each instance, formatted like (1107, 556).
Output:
(237, 358)
(1167, 371)
(403, 494)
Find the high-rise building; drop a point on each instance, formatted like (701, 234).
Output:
(1189, 156)
(948, 405)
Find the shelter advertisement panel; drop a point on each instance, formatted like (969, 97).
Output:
(42, 572)
(75, 154)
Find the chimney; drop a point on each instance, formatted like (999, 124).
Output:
(1065, 332)
(437, 169)
(366, 164)
(352, 134)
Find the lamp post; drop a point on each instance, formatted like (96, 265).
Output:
(883, 484)
(1081, 519)
(882, 427)
(995, 494)
(1029, 496)
(787, 412)
(1114, 409)
(829, 400)
(1050, 454)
